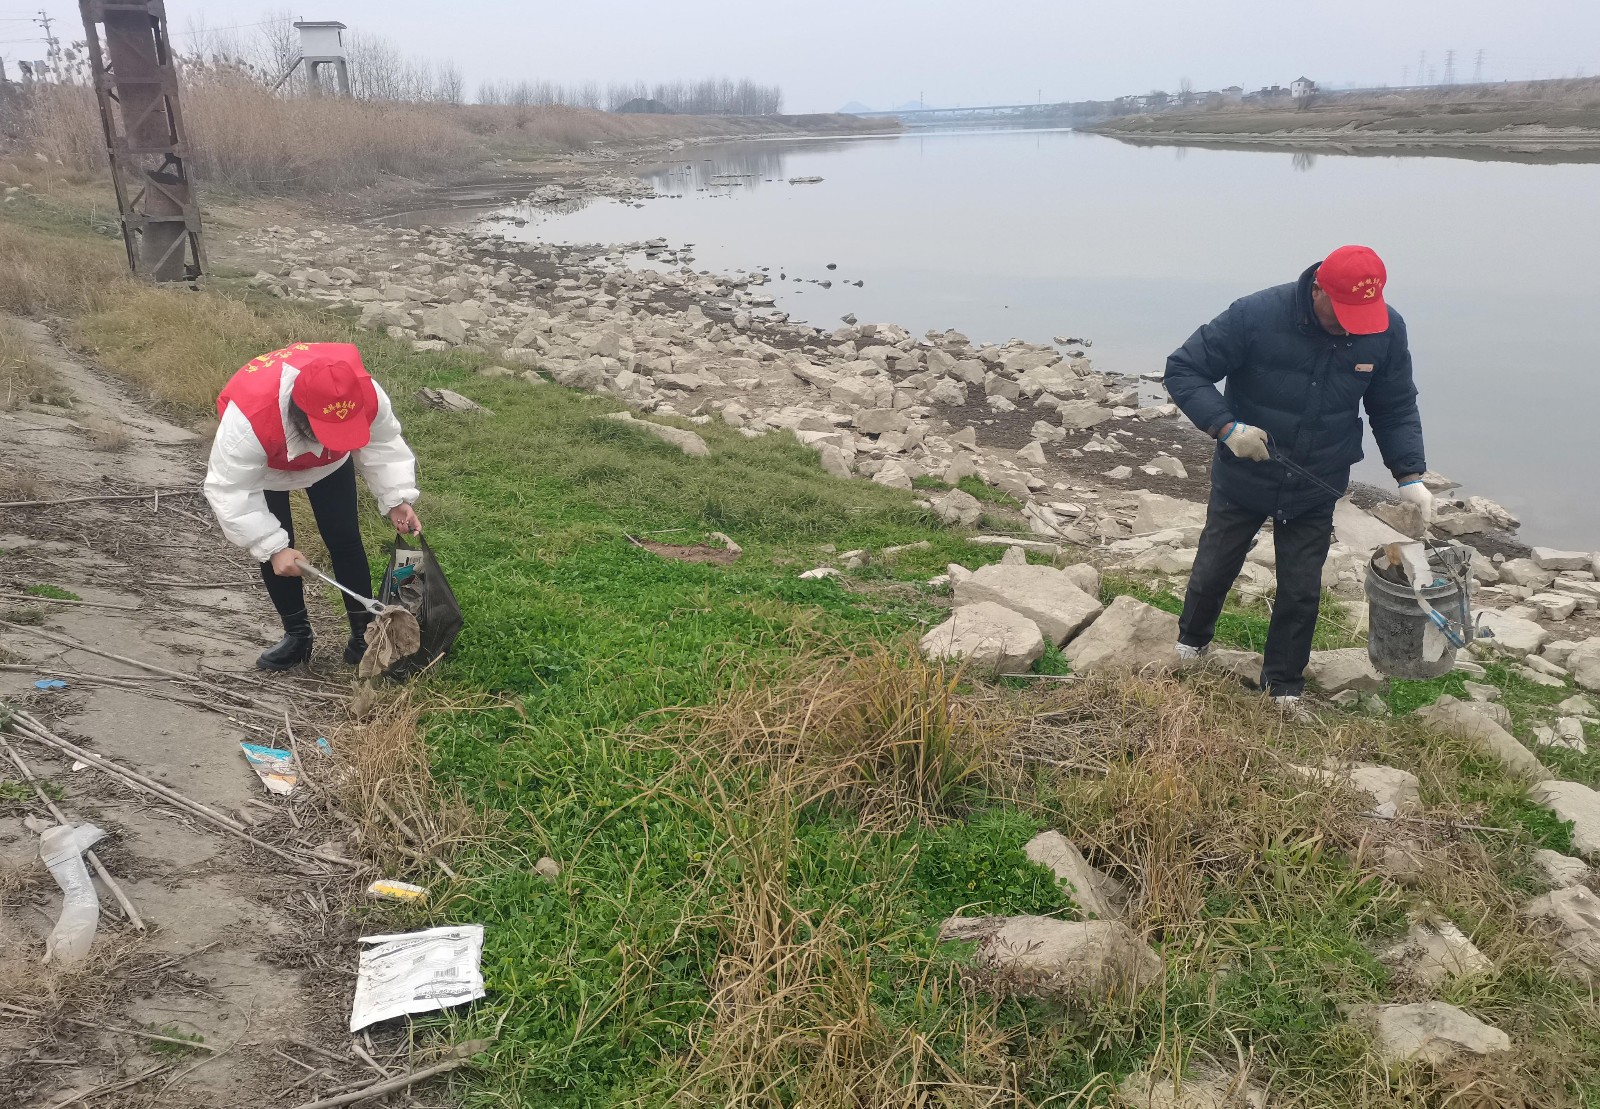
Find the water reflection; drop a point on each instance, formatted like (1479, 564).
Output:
(727, 168)
(1034, 234)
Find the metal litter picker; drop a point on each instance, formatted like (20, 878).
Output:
(393, 634)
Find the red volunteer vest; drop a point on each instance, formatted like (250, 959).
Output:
(255, 389)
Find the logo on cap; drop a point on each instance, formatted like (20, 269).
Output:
(340, 409)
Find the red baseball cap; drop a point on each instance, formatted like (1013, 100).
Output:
(335, 392)
(1353, 277)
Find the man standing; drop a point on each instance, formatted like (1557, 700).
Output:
(1299, 360)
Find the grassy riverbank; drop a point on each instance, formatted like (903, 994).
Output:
(1553, 112)
(763, 803)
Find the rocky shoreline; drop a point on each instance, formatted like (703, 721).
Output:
(1072, 465)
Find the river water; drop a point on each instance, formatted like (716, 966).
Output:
(1034, 234)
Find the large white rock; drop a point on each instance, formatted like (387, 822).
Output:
(1548, 559)
(1578, 803)
(894, 475)
(1467, 722)
(835, 461)
(1560, 870)
(1513, 634)
(1346, 668)
(1080, 415)
(1393, 791)
(958, 507)
(686, 441)
(1096, 957)
(1527, 573)
(991, 639)
(1433, 1032)
(1435, 950)
(1158, 512)
(1084, 576)
(1042, 594)
(1584, 662)
(1092, 891)
(439, 323)
(1361, 531)
(1571, 917)
(1129, 635)
(1205, 1088)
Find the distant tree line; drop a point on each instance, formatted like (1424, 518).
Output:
(714, 96)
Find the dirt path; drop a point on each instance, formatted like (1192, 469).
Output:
(238, 951)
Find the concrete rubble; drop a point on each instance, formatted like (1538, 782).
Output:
(1432, 1032)
(1095, 957)
(1094, 892)
(1203, 1088)
(1571, 918)
(989, 639)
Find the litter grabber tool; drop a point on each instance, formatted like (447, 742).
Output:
(365, 602)
(394, 632)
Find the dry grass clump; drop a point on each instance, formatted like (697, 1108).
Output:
(888, 733)
(22, 376)
(17, 484)
(56, 274)
(106, 436)
(1191, 788)
(795, 1016)
(386, 789)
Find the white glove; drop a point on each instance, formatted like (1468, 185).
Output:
(1246, 441)
(1414, 492)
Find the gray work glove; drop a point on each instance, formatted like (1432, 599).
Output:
(1246, 441)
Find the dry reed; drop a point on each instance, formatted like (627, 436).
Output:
(248, 139)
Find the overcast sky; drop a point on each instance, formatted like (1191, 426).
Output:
(952, 52)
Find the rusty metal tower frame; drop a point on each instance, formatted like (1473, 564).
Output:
(136, 83)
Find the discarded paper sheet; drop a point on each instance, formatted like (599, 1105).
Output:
(418, 972)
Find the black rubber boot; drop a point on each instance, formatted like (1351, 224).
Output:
(356, 649)
(295, 646)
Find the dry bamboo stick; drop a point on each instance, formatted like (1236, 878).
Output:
(157, 493)
(29, 597)
(28, 726)
(139, 1032)
(379, 1089)
(68, 641)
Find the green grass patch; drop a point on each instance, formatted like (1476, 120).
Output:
(54, 592)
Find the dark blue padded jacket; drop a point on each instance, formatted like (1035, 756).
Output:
(1303, 386)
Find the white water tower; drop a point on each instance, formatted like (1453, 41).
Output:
(322, 42)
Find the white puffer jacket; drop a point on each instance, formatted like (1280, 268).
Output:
(238, 476)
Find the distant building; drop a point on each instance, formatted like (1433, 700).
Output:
(1302, 88)
(643, 106)
(1232, 94)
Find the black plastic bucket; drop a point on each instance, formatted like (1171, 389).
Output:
(1397, 627)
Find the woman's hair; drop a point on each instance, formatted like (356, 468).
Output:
(299, 421)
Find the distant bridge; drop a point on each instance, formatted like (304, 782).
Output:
(932, 115)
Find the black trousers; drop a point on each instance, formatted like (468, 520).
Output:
(333, 504)
(1302, 548)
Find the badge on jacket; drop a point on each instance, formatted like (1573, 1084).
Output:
(1364, 367)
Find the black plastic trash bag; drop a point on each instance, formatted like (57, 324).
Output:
(415, 581)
